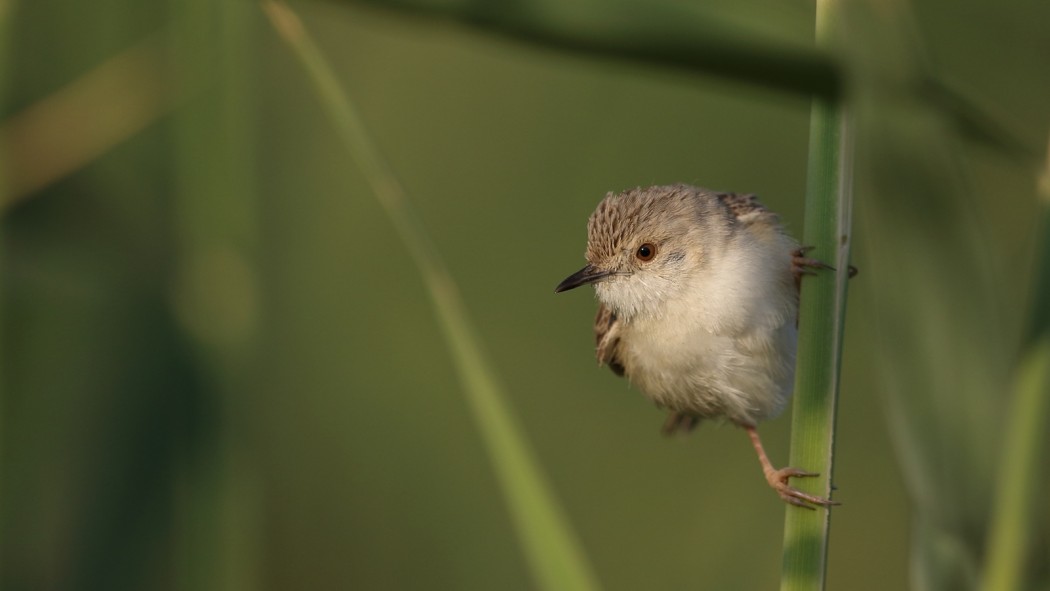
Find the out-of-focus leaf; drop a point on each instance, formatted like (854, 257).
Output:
(970, 121)
(106, 105)
(654, 33)
(1022, 485)
(945, 346)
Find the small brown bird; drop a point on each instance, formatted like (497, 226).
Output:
(698, 295)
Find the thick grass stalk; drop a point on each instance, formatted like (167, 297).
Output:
(552, 551)
(1016, 514)
(821, 313)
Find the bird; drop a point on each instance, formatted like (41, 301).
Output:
(698, 295)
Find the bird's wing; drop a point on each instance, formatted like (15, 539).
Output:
(745, 207)
(748, 211)
(607, 339)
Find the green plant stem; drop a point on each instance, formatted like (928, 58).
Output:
(821, 313)
(553, 553)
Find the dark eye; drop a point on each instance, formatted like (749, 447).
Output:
(646, 252)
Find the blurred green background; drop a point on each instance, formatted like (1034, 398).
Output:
(220, 367)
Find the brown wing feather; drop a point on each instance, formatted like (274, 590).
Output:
(607, 340)
(742, 205)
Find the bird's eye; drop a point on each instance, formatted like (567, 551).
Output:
(646, 252)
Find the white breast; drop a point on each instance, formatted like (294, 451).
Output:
(727, 348)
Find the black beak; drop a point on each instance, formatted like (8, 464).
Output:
(588, 274)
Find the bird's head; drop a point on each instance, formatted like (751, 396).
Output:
(645, 246)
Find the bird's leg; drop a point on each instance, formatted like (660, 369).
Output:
(778, 479)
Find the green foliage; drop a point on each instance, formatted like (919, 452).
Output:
(220, 367)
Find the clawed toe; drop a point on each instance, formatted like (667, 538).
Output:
(803, 265)
(779, 481)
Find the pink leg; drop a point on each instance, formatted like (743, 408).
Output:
(778, 479)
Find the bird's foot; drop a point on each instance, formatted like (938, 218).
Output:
(778, 479)
(803, 265)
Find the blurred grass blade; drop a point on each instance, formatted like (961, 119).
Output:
(1023, 476)
(658, 33)
(553, 553)
(822, 310)
(971, 121)
(940, 319)
(677, 36)
(215, 294)
(106, 105)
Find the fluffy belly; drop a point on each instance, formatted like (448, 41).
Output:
(745, 378)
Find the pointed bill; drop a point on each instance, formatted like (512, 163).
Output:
(588, 274)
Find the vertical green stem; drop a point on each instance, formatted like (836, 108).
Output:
(821, 313)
